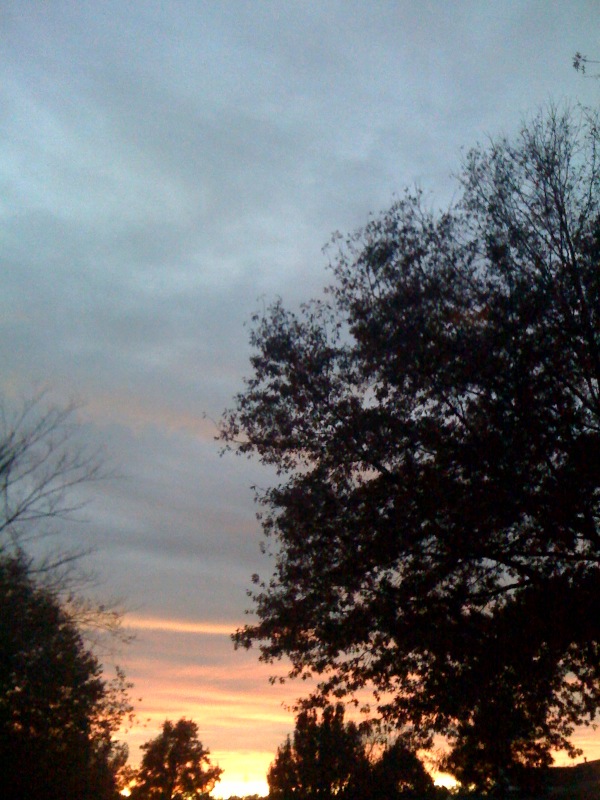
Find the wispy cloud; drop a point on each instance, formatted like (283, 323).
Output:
(153, 188)
(179, 626)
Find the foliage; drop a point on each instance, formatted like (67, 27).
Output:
(57, 713)
(398, 772)
(329, 758)
(435, 424)
(175, 765)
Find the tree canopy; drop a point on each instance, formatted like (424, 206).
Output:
(175, 765)
(435, 422)
(326, 758)
(58, 714)
(329, 757)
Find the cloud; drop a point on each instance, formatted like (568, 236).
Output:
(164, 170)
(179, 626)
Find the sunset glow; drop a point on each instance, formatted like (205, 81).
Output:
(170, 664)
(169, 170)
(179, 626)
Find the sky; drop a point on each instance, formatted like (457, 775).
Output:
(165, 169)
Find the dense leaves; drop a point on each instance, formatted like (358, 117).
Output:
(329, 758)
(175, 765)
(435, 422)
(57, 713)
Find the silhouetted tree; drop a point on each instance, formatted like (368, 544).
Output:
(398, 772)
(435, 422)
(44, 468)
(329, 758)
(175, 765)
(326, 759)
(58, 714)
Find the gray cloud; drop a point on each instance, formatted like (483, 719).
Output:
(165, 166)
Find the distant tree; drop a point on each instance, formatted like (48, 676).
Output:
(327, 756)
(175, 765)
(435, 424)
(398, 772)
(58, 715)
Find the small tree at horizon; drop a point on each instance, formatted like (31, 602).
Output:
(329, 758)
(175, 765)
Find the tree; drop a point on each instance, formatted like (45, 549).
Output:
(400, 773)
(44, 466)
(58, 714)
(41, 467)
(175, 765)
(329, 758)
(435, 423)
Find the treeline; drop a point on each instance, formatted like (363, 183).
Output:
(59, 712)
(327, 757)
(60, 715)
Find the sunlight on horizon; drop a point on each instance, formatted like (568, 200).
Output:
(240, 787)
(443, 779)
(244, 773)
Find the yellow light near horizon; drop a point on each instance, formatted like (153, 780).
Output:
(240, 787)
(445, 780)
(244, 773)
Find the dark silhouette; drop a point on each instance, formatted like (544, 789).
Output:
(175, 765)
(581, 64)
(435, 421)
(57, 712)
(328, 758)
(44, 466)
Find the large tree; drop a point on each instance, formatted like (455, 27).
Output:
(58, 714)
(175, 765)
(435, 423)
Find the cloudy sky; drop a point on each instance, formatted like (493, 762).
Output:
(165, 168)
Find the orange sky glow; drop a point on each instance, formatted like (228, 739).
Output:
(177, 670)
(169, 170)
(177, 667)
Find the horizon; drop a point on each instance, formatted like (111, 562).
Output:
(167, 170)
